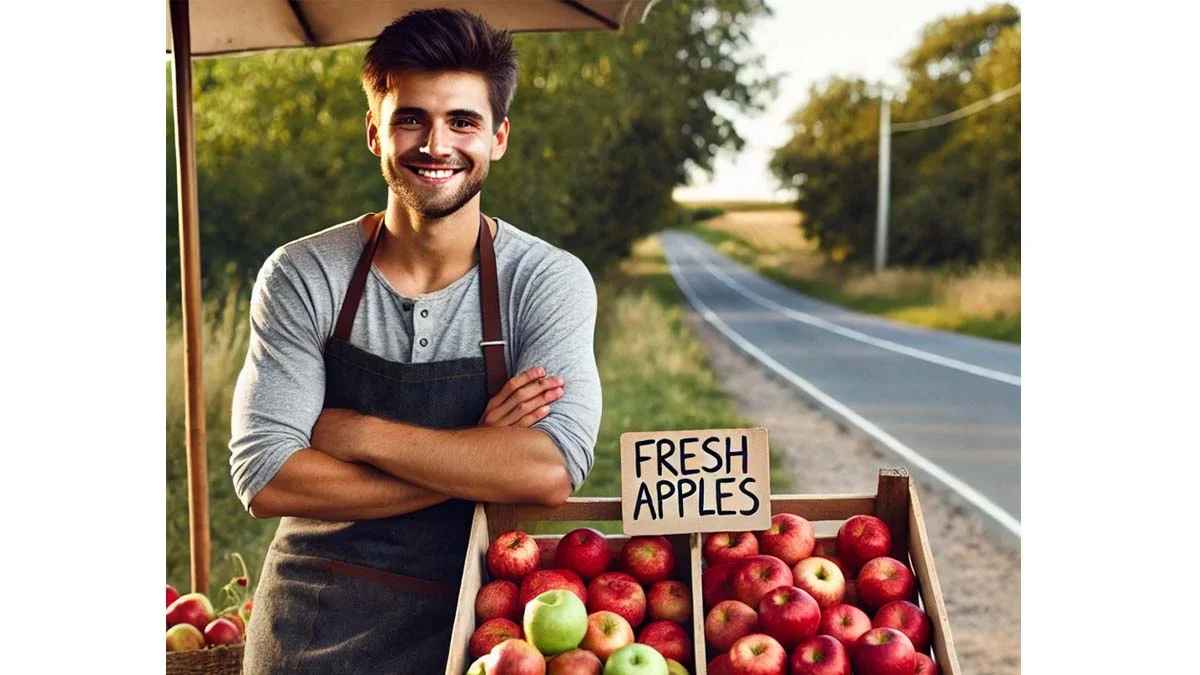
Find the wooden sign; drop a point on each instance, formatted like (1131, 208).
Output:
(712, 480)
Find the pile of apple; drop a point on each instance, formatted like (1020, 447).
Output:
(193, 624)
(778, 602)
(579, 605)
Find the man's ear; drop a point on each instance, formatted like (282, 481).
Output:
(501, 145)
(373, 135)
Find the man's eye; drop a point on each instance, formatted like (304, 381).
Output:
(462, 123)
(407, 121)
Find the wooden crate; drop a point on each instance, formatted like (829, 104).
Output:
(492, 520)
(895, 502)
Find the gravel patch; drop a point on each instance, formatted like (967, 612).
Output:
(978, 567)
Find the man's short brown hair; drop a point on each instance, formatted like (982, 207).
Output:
(443, 39)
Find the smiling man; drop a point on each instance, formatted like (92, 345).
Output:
(378, 403)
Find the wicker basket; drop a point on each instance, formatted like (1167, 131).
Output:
(223, 660)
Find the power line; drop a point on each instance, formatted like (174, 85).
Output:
(960, 113)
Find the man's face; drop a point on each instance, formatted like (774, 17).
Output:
(434, 140)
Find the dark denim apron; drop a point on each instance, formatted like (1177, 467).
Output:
(378, 596)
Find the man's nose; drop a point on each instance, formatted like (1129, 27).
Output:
(436, 144)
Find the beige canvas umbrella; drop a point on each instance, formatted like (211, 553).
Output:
(228, 27)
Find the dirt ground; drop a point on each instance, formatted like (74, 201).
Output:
(979, 568)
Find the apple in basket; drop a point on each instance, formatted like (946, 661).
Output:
(619, 593)
(172, 594)
(222, 631)
(636, 659)
(723, 547)
(790, 538)
(575, 662)
(585, 552)
(191, 608)
(512, 556)
(555, 622)
(670, 600)
(860, 539)
(184, 637)
(606, 633)
(648, 558)
(511, 657)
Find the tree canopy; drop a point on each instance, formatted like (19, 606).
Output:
(955, 188)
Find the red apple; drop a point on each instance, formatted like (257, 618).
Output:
(790, 615)
(512, 556)
(585, 552)
(222, 631)
(237, 621)
(540, 581)
(606, 633)
(714, 583)
(648, 558)
(844, 622)
(184, 637)
(620, 593)
(720, 665)
(883, 580)
(861, 538)
(669, 639)
(757, 654)
(193, 608)
(491, 633)
(820, 655)
(670, 600)
(724, 547)
(575, 662)
(511, 657)
(758, 575)
(822, 579)
(907, 618)
(926, 666)
(727, 622)
(790, 538)
(172, 594)
(498, 599)
(883, 651)
(827, 549)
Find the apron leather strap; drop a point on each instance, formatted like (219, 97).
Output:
(489, 300)
(358, 282)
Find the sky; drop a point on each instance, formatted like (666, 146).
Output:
(806, 42)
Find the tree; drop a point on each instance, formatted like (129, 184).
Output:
(955, 188)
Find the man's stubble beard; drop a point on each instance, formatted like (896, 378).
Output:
(439, 207)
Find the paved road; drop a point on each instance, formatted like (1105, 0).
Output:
(949, 405)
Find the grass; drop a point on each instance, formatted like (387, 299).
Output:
(984, 301)
(654, 372)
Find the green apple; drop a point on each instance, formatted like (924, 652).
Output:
(555, 621)
(636, 659)
(675, 668)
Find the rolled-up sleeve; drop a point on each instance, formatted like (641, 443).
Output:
(281, 387)
(557, 332)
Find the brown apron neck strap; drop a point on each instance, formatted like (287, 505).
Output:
(358, 282)
(489, 301)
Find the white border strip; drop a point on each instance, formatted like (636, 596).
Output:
(908, 454)
(804, 317)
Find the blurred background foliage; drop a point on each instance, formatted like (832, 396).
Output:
(955, 188)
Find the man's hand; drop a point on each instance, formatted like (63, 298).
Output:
(335, 433)
(523, 400)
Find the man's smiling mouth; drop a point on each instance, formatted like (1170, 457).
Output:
(436, 174)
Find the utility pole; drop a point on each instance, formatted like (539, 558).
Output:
(885, 151)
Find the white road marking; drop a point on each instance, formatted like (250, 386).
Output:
(817, 322)
(967, 492)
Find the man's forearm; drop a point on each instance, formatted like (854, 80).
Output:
(311, 484)
(507, 465)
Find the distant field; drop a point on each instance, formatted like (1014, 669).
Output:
(984, 301)
(734, 205)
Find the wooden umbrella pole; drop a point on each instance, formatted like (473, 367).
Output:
(189, 258)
